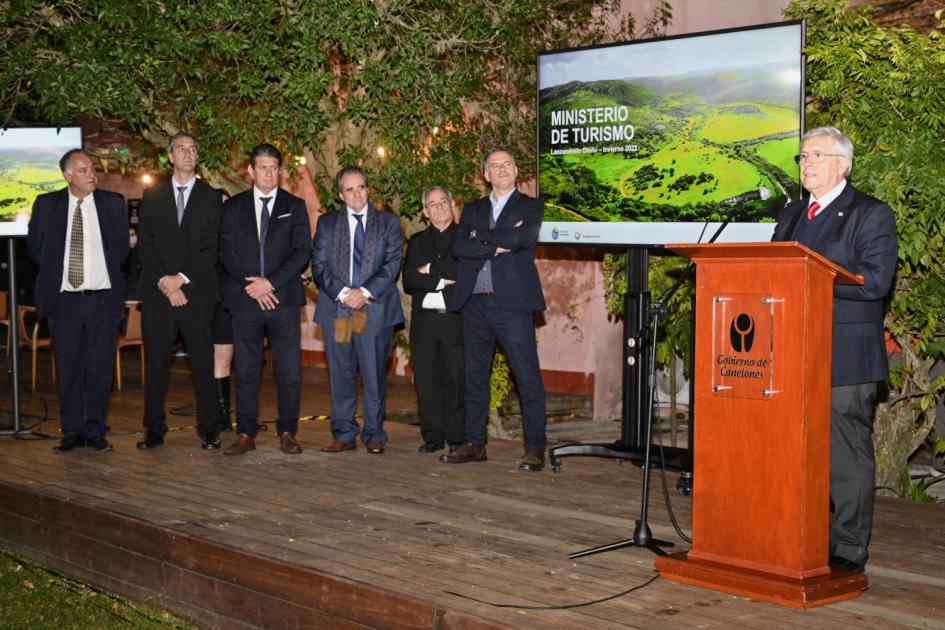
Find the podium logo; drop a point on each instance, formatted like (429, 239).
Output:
(742, 332)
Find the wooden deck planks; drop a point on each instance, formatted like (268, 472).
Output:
(352, 540)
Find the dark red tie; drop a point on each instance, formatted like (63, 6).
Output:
(812, 210)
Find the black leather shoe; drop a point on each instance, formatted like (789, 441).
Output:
(429, 447)
(151, 440)
(99, 443)
(533, 460)
(838, 562)
(70, 442)
(211, 442)
(466, 453)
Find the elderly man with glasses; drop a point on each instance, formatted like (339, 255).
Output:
(858, 233)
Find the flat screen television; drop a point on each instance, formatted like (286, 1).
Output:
(642, 143)
(29, 166)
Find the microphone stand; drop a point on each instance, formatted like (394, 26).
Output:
(642, 534)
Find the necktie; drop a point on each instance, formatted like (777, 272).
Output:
(76, 266)
(263, 233)
(180, 203)
(812, 210)
(358, 251)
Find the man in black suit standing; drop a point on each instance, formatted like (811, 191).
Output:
(78, 236)
(355, 262)
(436, 334)
(858, 233)
(498, 292)
(265, 244)
(177, 244)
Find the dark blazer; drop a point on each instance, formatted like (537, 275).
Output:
(514, 275)
(46, 243)
(166, 248)
(381, 280)
(859, 235)
(425, 247)
(288, 247)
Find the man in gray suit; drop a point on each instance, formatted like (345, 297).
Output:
(355, 262)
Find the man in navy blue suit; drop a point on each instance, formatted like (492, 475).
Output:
(265, 244)
(858, 233)
(355, 262)
(498, 292)
(78, 236)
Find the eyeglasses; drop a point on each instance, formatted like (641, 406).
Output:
(814, 157)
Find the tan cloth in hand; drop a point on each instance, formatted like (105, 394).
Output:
(345, 327)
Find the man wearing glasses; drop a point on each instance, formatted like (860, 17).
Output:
(498, 292)
(177, 245)
(436, 335)
(858, 233)
(264, 246)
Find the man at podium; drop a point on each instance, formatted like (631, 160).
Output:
(857, 232)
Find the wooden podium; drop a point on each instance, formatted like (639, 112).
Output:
(760, 509)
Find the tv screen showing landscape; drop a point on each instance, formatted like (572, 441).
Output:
(643, 143)
(29, 166)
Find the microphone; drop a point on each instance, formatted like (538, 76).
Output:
(762, 193)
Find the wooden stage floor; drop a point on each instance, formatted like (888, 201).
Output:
(397, 541)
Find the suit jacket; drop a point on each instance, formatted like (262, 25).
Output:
(859, 234)
(288, 246)
(514, 275)
(380, 279)
(422, 248)
(166, 248)
(46, 243)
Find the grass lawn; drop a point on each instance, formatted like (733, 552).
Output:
(31, 597)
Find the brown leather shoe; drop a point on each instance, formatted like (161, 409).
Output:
(338, 446)
(375, 448)
(243, 444)
(533, 460)
(468, 452)
(289, 444)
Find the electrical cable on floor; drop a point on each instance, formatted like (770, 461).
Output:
(562, 606)
(666, 497)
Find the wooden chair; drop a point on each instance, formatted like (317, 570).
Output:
(29, 338)
(131, 337)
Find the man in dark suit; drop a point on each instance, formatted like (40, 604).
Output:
(498, 293)
(436, 334)
(177, 244)
(264, 247)
(858, 233)
(78, 236)
(355, 262)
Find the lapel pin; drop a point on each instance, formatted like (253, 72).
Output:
(839, 214)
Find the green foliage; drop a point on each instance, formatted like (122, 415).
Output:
(916, 490)
(674, 338)
(501, 385)
(31, 597)
(883, 87)
(431, 83)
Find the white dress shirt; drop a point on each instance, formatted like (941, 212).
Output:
(352, 226)
(827, 197)
(95, 273)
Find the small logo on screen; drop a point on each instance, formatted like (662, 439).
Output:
(742, 332)
(554, 232)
